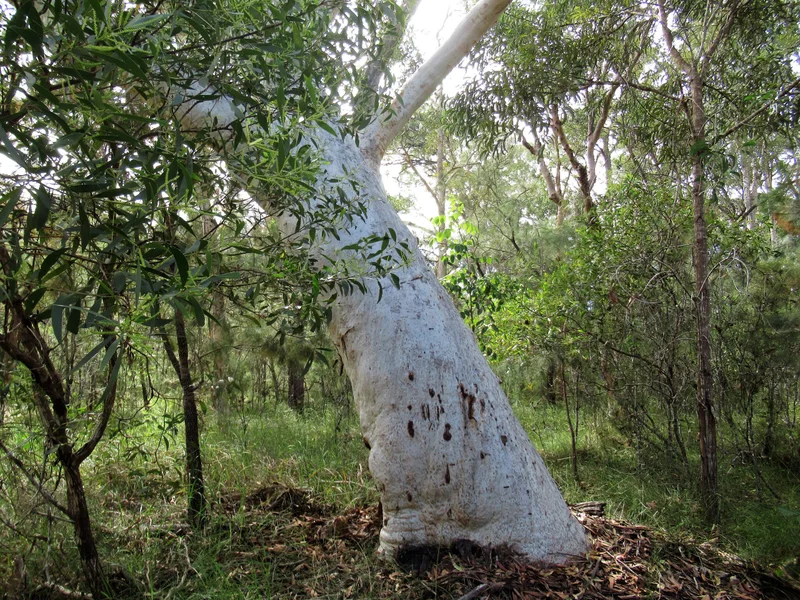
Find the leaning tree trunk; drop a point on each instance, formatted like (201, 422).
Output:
(448, 456)
(450, 459)
(82, 526)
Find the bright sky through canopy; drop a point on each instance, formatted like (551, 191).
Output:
(432, 24)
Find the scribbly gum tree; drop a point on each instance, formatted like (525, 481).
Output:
(448, 456)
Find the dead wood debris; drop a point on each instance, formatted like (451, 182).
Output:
(626, 562)
(310, 550)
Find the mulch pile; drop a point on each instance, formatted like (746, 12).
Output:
(626, 562)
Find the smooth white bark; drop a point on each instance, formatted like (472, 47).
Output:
(448, 456)
(377, 137)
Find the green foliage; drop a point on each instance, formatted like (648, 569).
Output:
(115, 216)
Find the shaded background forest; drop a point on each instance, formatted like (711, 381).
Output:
(563, 175)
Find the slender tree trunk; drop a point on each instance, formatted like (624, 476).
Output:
(550, 383)
(297, 386)
(22, 340)
(748, 189)
(553, 185)
(584, 181)
(608, 165)
(276, 384)
(441, 203)
(197, 509)
(216, 330)
(767, 447)
(773, 231)
(695, 70)
(217, 335)
(194, 463)
(82, 526)
(705, 402)
(611, 383)
(573, 433)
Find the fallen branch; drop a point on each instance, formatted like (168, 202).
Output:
(481, 589)
(62, 591)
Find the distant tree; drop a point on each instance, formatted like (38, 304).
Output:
(197, 504)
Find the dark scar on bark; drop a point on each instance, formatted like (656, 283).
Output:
(411, 375)
(447, 435)
(447, 474)
(431, 393)
(411, 428)
(504, 439)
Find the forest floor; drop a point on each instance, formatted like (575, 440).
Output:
(284, 542)
(294, 515)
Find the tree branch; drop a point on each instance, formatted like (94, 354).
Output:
(29, 476)
(171, 353)
(536, 150)
(558, 130)
(734, 128)
(670, 41)
(419, 175)
(387, 49)
(109, 398)
(604, 112)
(382, 131)
(723, 31)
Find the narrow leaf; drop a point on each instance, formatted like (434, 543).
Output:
(10, 199)
(109, 353)
(181, 264)
(50, 261)
(57, 318)
(89, 356)
(146, 21)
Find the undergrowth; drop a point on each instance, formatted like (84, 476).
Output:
(646, 487)
(135, 485)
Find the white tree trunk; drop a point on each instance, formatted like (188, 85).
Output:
(448, 456)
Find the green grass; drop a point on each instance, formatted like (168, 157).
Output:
(650, 489)
(319, 450)
(134, 483)
(322, 451)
